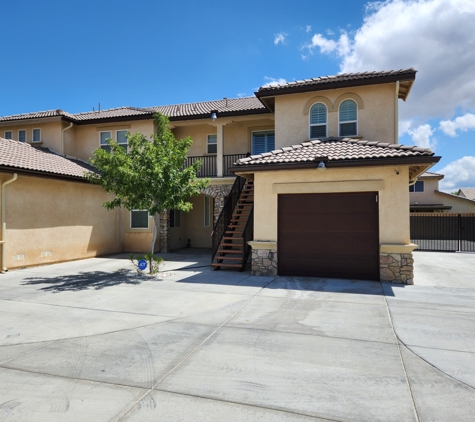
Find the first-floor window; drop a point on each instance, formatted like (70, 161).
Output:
(212, 144)
(22, 135)
(417, 187)
(207, 211)
(263, 141)
(36, 135)
(138, 219)
(103, 137)
(8, 134)
(174, 218)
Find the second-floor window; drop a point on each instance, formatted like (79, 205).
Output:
(103, 137)
(212, 144)
(121, 139)
(8, 134)
(263, 141)
(318, 121)
(417, 187)
(36, 135)
(22, 135)
(348, 118)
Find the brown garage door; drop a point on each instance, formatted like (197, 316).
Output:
(329, 235)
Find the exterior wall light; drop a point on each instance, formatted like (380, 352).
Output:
(321, 166)
(213, 116)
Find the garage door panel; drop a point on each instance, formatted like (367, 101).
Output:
(329, 235)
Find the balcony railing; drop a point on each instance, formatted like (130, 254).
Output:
(209, 166)
(228, 161)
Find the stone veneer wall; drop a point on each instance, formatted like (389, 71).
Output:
(163, 233)
(264, 262)
(397, 267)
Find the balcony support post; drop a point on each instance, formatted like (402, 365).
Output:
(219, 149)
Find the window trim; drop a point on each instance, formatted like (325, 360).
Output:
(348, 121)
(139, 228)
(257, 131)
(10, 132)
(126, 138)
(414, 187)
(110, 136)
(317, 124)
(207, 200)
(208, 144)
(26, 137)
(33, 135)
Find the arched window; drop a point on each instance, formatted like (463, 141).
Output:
(348, 118)
(318, 121)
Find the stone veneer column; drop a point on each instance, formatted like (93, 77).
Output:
(219, 194)
(164, 233)
(264, 258)
(397, 267)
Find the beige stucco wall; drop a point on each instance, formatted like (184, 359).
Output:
(50, 132)
(195, 229)
(87, 136)
(459, 205)
(392, 188)
(428, 196)
(61, 217)
(138, 240)
(376, 120)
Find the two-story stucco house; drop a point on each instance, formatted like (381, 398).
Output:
(324, 187)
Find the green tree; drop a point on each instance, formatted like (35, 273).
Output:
(151, 175)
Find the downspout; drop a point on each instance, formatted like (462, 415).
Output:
(4, 220)
(396, 115)
(62, 137)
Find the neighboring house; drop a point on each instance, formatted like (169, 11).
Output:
(425, 196)
(348, 218)
(468, 193)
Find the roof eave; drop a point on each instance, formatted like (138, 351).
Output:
(38, 173)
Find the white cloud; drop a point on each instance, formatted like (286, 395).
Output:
(403, 126)
(458, 174)
(308, 28)
(279, 38)
(462, 123)
(329, 32)
(421, 136)
(273, 81)
(436, 37)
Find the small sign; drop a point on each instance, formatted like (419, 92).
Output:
(142, 264)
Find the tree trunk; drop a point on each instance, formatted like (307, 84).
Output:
(152, 246)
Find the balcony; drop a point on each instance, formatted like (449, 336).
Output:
(209, 168)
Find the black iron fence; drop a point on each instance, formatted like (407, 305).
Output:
(443, 232)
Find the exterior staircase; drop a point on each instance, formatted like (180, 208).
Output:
(232, 250)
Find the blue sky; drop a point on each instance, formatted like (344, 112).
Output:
(74, 54)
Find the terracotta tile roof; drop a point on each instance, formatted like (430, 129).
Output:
(334, 150)
(24, 156)
(229, 106)
(328, 81)
(37, 115)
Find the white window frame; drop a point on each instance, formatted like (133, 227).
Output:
(139, 228)
(414, 187)
(207, 204)
(126, 144)
(310, 124)
(10, 132)
(260, 131)
(348, 121)
(33, 135)
(214, 143)
(110, 136)
(26, 138)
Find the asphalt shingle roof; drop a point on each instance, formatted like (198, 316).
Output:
(368, 77)
(335, 149)
(25, 156)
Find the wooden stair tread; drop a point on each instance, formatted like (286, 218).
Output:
(226, 265)
(228, 251)
(228, 258)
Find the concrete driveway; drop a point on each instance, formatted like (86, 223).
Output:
(88, 341)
